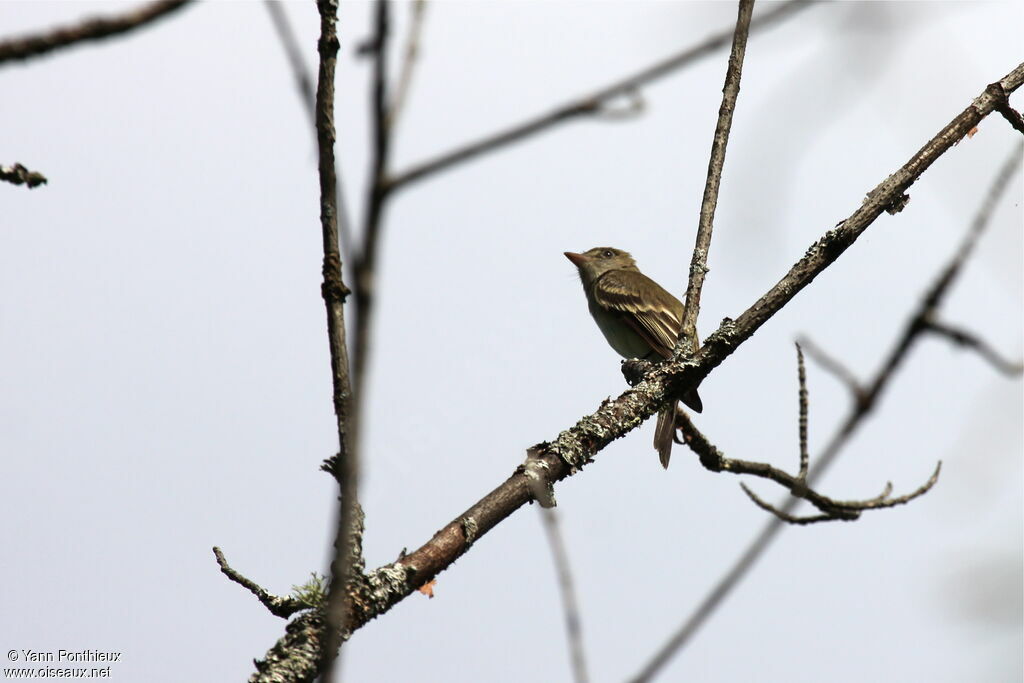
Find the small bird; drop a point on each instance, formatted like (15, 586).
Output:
(638, 317)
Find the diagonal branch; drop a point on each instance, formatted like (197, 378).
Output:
(833, 365)
(594, 103)
(705, 226)
(862, 408)
(574, 448)
(969, 340)
(26, 47)
(277, 605)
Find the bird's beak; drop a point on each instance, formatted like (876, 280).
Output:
(577, 259)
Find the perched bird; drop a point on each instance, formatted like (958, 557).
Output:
(637, 317)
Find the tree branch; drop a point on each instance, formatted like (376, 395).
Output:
(574, 448)
(347, 561)
(969, 340)
(26, 47)
(573, 628)
(705, 226)
(866, 402)
(277, 605)
(366, 263)
(412, 50)
(304, 86)
(591, 104)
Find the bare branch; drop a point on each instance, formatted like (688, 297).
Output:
(346, 563)
(573, 628)
(802, 377)
(1003, 107)
(833, 365)
(860, 410)
(705, 226)
(574, 448)
(19, 175)
(418, 10)
(304, 85)
(279, 606)
(586, 105)
(26, 47)
(962, 337)
(366, 262)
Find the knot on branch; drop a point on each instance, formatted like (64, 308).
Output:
(897, 204)
(538, 478)
(333, 289)
(634, 370)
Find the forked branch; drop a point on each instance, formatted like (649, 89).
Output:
(831, 509)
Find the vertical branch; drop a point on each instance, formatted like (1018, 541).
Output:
(304, 86)
(573, 629)
(731, 90)
(366, 263)
(802, 377)
(346, 466)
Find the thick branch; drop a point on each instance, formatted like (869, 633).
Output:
(595, 103)
(574, 448)
(705, 226)
(867, 399)
(25, 47)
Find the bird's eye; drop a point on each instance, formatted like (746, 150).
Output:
(607, 253)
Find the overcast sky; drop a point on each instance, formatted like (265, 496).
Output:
(165, 377)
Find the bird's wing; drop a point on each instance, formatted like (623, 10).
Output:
(656, 317)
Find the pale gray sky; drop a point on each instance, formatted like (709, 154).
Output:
(165, 372)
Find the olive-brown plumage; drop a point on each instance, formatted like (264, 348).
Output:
(638, 317)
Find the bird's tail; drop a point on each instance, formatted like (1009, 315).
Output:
(664, 432)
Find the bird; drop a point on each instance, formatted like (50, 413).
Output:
(639, 319)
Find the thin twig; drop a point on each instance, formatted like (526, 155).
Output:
(713, 459)
(366, 262)
(418, 10)
(833, 365)
(280, 606)
(802, 378)
(705, 226)
(969, 340)
(304, 85)
(1003, 107)
(25, 47)
(19, 175)
(346, 463)
(585, 105)
(573, 626)
(858, 412)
